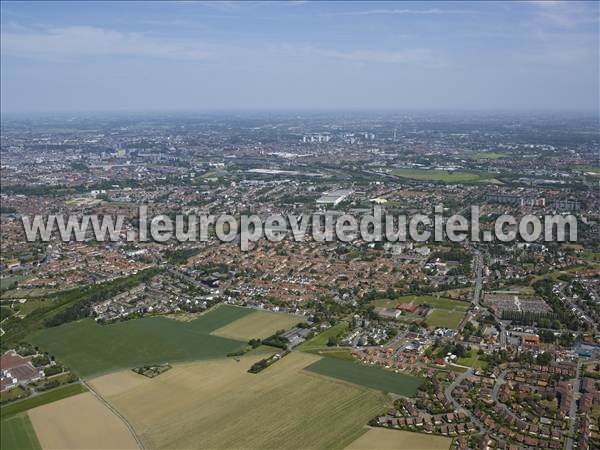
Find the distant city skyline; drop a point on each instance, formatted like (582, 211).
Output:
(202, 56)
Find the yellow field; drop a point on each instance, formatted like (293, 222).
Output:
(80, 422)
(259, 324)
(217, 404)
(382, 439)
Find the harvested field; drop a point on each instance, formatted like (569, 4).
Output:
(91, 349)
(217, 404)
(382, 439)
(80, 422)
(258, 324)
(374, 377)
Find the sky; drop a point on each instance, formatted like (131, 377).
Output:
(203, 56)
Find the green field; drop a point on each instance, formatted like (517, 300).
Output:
(42, 399)
(90, 349)
(346, 355)
(489, 155)
(444, 319)
(5, 311)
(443, 176)
(18, 434)
(472, 360)
(434, 302)
(446, 313)
(13, 394)
(10, 282)
(373, 377)
(320, 340)
(591, 169)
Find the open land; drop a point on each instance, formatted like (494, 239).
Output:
(443, 176)
(382, 439)
(374, 377)
(444, 318)
(17, 433)
(320, 340)
(47, 397)
(91, 349)
(434, 302)
(258, 324)
(218, 404)
(446, 312)
(80, 422)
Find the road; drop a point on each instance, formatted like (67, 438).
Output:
(573, 408)
(457, 406)
(477, 295)
(478, 266)
(499, 382)
(478, 269)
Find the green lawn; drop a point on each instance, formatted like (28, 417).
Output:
(321, 339)
(591, 169)
(18, 434)
(446, 313)
(5, 311)
(443, 176)
(334, 352)
(42, 399)
(472, 360)
(489, 155)
(90, 349)
(9, 282)
(370, 376)
(444, 319)
(434, 302)
(13, 394)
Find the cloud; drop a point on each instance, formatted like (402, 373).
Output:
(78, 41)
(392, 12)
(566, 14)
(416, 56)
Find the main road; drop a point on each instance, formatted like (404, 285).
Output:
(478, 270)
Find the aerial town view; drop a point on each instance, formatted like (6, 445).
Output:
(300, 225)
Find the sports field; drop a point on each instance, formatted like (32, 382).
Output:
(382, 439)
(218, 404)
(91, 349)
(17, 433)
(443, 318)
(434, 302)
(80, 422)
(257, 324)
(373, 377)
(446, 313)
(443, 176)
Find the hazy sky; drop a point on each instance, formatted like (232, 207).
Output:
(260, 55)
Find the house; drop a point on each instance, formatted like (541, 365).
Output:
(16, 369)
